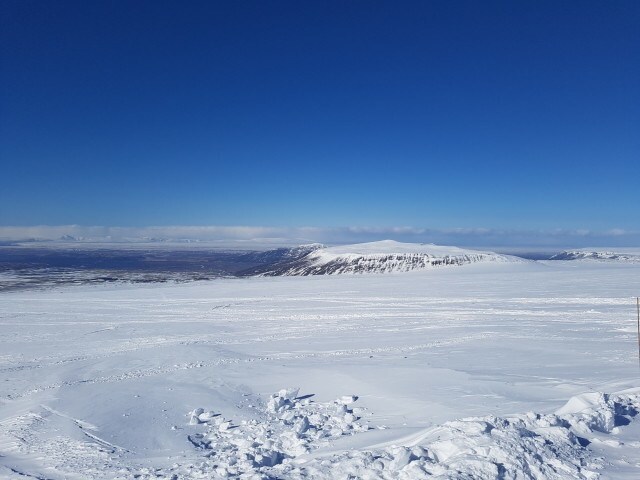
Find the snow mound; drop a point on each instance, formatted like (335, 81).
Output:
(287, 426)
(384, 257)
(624, 255)
(527, 446)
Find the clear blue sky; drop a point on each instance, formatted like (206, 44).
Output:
(513, 115)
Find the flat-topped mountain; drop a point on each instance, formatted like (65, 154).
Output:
(628, 255)
(380, 257)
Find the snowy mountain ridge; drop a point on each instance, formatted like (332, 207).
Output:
(383, 257)
(625, 255)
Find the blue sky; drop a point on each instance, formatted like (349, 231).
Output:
(509, 116)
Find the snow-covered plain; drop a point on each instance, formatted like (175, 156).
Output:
(429, 373)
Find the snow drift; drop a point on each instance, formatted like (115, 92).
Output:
(535, 446)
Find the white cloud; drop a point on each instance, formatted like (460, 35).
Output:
(263, 237)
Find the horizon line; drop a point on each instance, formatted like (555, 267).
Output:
(268, 236)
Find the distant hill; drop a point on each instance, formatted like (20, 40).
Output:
(628, 255)
(377, 257)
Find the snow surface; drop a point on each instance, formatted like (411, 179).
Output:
(490, 370)
(386, 247)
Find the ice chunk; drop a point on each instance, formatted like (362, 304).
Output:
(195, 416)
(401, 458)
(347, 399)
(301, 425)
(289, 393)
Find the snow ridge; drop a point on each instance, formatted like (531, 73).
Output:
(619, 255)
(384, 257)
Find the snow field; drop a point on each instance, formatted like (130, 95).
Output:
(163, 381)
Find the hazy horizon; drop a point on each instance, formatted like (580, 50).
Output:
(256, 237)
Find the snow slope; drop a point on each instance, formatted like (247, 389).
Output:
(384, 257)
(428, 374)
